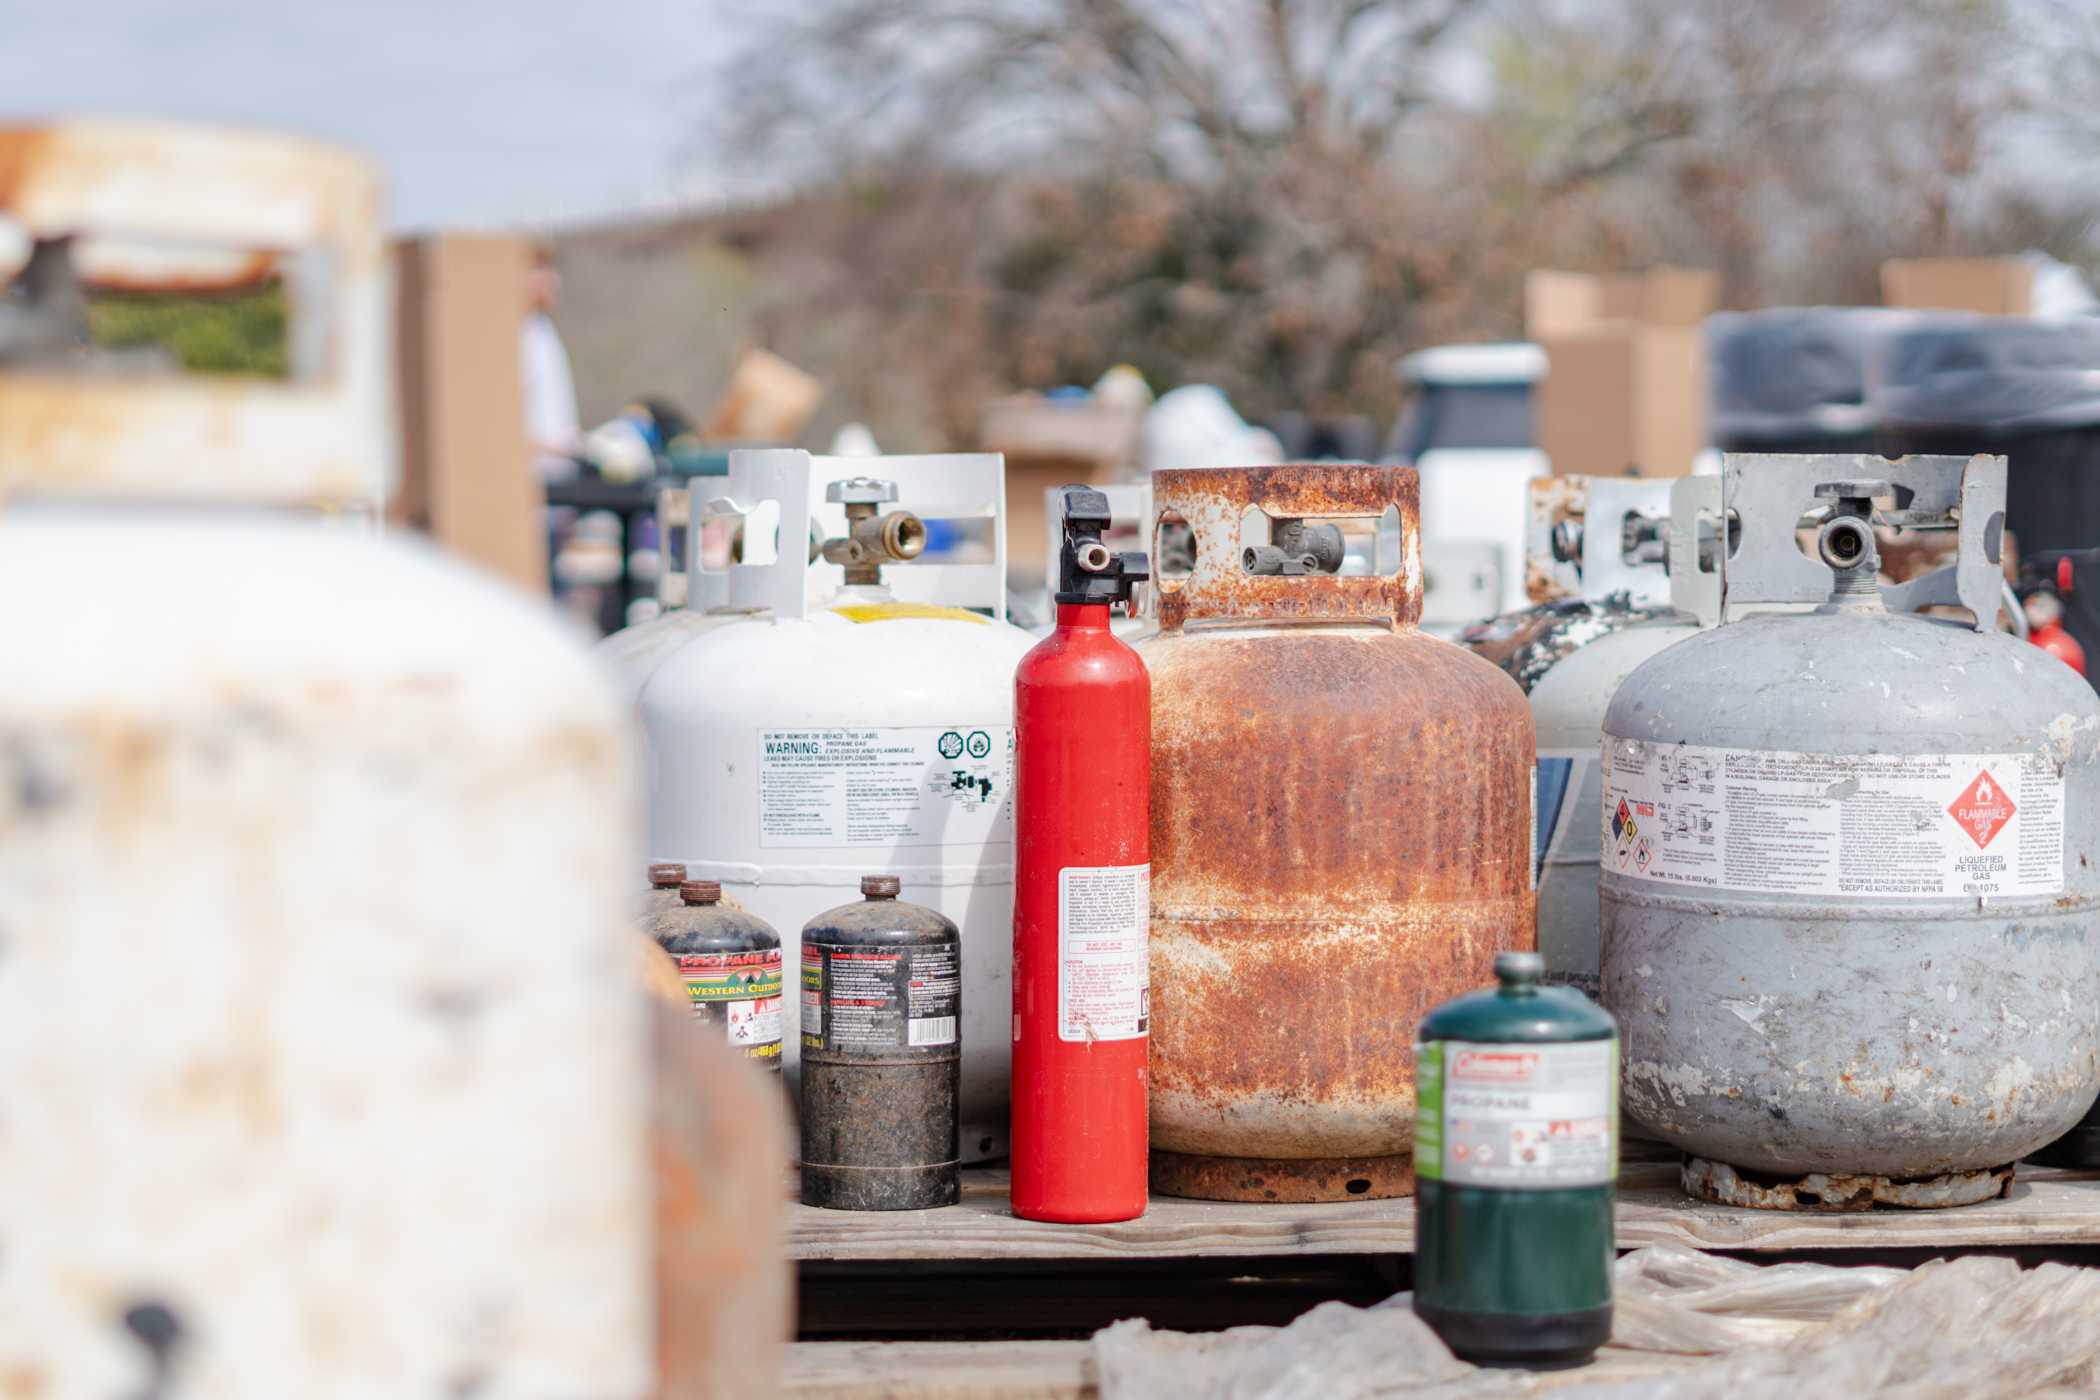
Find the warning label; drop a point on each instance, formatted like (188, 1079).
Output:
(1522, 1115)
(1891, 826)
(1104, 978)
(927, 785)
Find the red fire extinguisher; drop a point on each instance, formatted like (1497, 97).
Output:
(1082, 893)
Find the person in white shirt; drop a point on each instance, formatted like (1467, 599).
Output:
(551, 424)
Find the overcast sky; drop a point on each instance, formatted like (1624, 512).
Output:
(483, 111)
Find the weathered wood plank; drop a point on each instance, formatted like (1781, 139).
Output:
(1007, 1370)
(938, 1371)
(2047, 1207)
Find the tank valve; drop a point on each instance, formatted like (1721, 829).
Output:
(1846, 540)
(1296, 548)
(872, 539)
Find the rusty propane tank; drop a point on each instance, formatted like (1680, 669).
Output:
(1341, 838)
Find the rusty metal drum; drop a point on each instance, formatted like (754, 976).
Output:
(1341, 836)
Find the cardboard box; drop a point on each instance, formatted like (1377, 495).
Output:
(768, 400)
(1625, 388)
(1997, 286)
(466, 470)
(1049, 444)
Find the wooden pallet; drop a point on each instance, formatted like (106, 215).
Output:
(1042, 1370)
(2047, 1207)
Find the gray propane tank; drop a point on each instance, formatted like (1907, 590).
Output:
(1596, 559)
(1848, 886)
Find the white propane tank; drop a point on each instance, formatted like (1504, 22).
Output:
(692, 596)
(843, 730)
(325, 1071)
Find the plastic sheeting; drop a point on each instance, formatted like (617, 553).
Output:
(1996, 377)
(1796, 379)
(1686, 1326)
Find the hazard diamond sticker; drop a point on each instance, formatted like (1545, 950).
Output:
(1982, 810)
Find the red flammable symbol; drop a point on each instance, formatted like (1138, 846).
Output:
(1982, 809)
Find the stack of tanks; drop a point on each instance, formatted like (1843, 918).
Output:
(1838, 982)
(836, 703)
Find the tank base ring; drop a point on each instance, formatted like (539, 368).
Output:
(1284, 1179)
(1832, 1193)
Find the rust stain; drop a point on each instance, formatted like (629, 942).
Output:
(1283, 1180)
(23, 1382)
(1554, 500)
(1341, 841)
(1835, 1193)
(1211, 501)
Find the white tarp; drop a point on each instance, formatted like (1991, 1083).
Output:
(1687, 1326)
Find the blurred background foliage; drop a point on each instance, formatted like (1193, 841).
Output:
(949, 199)
(240, 332)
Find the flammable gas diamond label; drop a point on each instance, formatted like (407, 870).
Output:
(1876, 826)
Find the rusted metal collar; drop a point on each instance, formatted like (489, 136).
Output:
(1833, 1194)
(1211, 503)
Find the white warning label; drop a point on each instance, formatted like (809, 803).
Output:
(926, 785)
(1104, 977)
(1890, 826)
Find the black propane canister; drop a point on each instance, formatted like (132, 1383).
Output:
(1516, 1156)
(881, 1057)
(664, 879)
(730, 961)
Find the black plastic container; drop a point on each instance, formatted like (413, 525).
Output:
(2027, 389)
(1796, 379)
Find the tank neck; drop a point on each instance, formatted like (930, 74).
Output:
(1082, 617)
(863, 593)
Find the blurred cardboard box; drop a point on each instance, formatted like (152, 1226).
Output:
(1048, 443)
(1625, 388)
(466, 470)
(1998, 286)
(768, 400)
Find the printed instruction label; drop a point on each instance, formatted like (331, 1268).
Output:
(862, 998)
(922, 785)
(1104, 972)
(1872, 826)
(1517, 1115)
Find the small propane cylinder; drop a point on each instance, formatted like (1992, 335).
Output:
(881, 1054)
(730, 964)
(1341, 836)
(1082, 892)
(854, 709)
(1853, 860)
(1516, 1153)
(663, 897)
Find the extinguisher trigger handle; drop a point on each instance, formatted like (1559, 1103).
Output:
(1088, 570)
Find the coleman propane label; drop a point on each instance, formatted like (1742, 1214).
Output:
(1522, 1115)
(1869, 826)
(1104, 977)
(741, 991)
(923, 785)
(861, 998)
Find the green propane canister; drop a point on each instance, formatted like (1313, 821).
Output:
(881, 1054)
(1516, 1155)
(730, 961)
